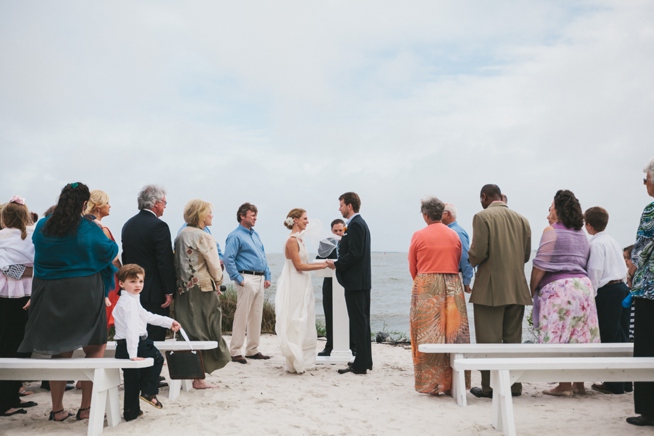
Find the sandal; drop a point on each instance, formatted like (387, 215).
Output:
(27, 404)
(53, 414)
(15, 412)
(25, 392)
(78, 416)
(152, 400)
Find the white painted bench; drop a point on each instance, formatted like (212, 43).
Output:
(506, 371)
(174, 386)
(466, 351)
(104, 373)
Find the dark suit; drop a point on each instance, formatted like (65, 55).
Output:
(353, 272)
(147, 242)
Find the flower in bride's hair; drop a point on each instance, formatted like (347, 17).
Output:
(288, 221)
(17, 199)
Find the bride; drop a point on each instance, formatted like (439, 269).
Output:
(295, 307)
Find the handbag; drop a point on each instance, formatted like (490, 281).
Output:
(185, 364)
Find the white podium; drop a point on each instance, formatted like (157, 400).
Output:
(341, 322)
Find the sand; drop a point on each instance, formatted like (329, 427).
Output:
(262, 398)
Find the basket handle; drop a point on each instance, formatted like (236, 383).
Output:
(184, 335)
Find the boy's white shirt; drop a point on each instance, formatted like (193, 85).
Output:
(606, 261)
(131, 321)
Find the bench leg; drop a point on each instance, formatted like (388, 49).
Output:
(98, 402)
(174, 387)
(459, 387)
(113, 407)
(187, 385)
(503, 417)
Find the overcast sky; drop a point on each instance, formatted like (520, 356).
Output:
(290, 104)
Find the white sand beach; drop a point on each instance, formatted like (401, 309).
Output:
(262, 398)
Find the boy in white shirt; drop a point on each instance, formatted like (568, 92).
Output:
(131, 321)
(606, 271)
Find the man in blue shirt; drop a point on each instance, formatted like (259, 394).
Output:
(449, 219)
(246, 264)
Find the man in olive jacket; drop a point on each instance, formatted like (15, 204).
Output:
(501, 245)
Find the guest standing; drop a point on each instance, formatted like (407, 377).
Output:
(643, 293)
(147, 243)
(438, 307)
(564, 303)
(246, 264)
(98, 206)
(606, 271)
(16, 258)
(73, 270)
(199, 275)
(465, 269)
(501, 245)
(354, 273)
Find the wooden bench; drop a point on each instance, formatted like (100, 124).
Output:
(104, 373)
(506, 371)
(466, 351)
(174, 386)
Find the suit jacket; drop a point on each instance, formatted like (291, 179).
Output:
(501, 245)
(146, 242)
(353, 267)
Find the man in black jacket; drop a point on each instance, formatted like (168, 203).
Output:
(353, 272)
(147, 242)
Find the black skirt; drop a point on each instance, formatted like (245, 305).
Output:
(65, 314)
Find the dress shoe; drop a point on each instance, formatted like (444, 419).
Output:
(602, 388)
(349, 365)
(162, 384)
(352, 370)
(326, 352)
(239, 359)
(258, 356)
(477, 392)
(641, 420)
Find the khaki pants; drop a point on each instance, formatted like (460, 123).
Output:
(247, 318)
(498, 325)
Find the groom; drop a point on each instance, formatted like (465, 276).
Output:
(353, 272)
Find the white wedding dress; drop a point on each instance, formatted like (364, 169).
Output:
(295, 310)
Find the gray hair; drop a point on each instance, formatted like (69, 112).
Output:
(649, 169)
(451, 209)
(433, 208)
(150, 195)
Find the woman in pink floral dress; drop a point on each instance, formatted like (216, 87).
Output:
(564, 301)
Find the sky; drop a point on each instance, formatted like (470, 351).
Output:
(290, 104)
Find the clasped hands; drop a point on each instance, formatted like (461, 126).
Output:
(330, 264)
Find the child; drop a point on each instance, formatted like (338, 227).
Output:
(606, 270)
(631, 270)
(131, 321)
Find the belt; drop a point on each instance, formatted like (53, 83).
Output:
(613, 282)
(141, 338)
(253, 273)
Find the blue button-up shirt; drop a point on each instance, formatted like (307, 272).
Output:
(464, 264)
(244, 252)
(206, 229)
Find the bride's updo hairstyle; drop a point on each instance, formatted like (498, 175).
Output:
(294, 213)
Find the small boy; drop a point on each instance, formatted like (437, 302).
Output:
(131, 321)
(607, 270)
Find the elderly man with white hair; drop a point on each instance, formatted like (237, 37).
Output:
(449, 219)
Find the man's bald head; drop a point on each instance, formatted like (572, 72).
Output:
(489, 193)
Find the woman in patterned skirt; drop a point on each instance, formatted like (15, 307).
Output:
(438, 307)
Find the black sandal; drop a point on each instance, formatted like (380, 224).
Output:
(15, 412)
(152, 400)
(53, 414)
(84, 409)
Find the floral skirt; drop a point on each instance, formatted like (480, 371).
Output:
(438, 316)
(567, 312)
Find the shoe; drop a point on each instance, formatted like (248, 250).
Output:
(479, 393)
(152, 400)
(349, 364)
(352, 370)
(258, 356)
(641, 420)
(15, 412)
(555, 393)
(53, 414)
(27, 404)
(628, 387)
(239, 359)
(516, 394)
(601, 388)
(131, 418)
(162, 384)
(326, 352)
(78, 416)
(24, 392)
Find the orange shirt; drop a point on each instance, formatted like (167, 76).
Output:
(436, 249)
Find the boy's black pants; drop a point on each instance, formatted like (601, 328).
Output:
(137, 381)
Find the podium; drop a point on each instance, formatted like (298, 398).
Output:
(341, 352)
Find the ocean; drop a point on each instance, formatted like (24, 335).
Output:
(391, 292)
